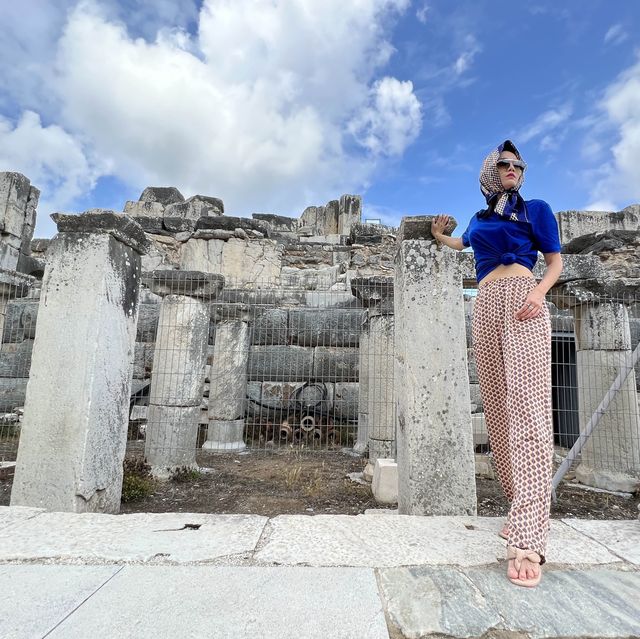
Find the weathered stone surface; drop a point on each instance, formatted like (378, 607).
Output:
(270, 326)
(195, 207)
(277, 222)
(194, 284)
(335, 364)
(14, 195)
(91, 290)
(311, 278)
(163, 194)
(230, 223)
(147, 322)
(381, 411)
(602, 327)
(29, 221)
(374, 291)
(40, 245)
(330, 327)
(349, 213)
(9, 256)
(12, 392)
(364, 541)
(15, 359)
(435, 437)
(143, 360)
(608, 479)
(20, 320)
(233, 603)
(345, 403)
(619, 537)
(137, 538)
(145, 210)
(27, 610)
(280, 363)
(122, 227)
(418, 227)
(178, 224)
(573, 224)
(183, 327)
(163, 254)
(385, 481)
(225, 435)
(213, 234)
(362, 439)
(228, 376)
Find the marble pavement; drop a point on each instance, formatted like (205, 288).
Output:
(373, 576)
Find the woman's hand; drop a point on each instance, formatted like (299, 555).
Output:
(438, 225)
(532, 306)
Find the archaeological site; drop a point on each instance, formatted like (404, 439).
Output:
(176, 334)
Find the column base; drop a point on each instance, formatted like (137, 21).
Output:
(224, 436)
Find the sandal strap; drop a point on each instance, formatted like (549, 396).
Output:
(519, 554)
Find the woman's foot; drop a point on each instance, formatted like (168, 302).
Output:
(504, 532)
(523, 567)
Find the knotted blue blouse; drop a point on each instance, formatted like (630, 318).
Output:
(497, 240)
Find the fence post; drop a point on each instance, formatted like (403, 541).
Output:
(177, 377)
(436, 469)
(74, 432)
(228, 379)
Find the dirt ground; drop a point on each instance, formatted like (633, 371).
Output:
(290, 482)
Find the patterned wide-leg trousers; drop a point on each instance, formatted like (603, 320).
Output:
(514, 370)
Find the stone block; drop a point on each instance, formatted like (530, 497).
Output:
(480, 434)
(9, 255)
(15, 359)
(345, 402)
(164, 195)
(270, 326)
(145, 210)
(335, 364)
(12, 393)
(436, 469)
(573, 224)
(608, 479)
(147, 322)
(14, 195)
(231, 223)
(385, 481)
(311, 278)
(143, 360)
(349, 213)
(195, 207)
(280, 363)
(277, 222)
(225, 436)
(193, 284)
(418, 227)
(476, 398)
(327, 327)
(178, 224)
(603, 327)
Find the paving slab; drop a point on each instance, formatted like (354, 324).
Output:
(598, 602)
(566, 545)
(377, 541)
(620, 537)
(148, 537)
(435, 599)
(232, 603)
(12, 515)
(36, 598)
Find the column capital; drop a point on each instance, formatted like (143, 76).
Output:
(121, 226)
(375, 292)
(418, 227)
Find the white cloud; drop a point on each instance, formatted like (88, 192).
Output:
(391, 121)
(619, 181)
(260, 108)
(546, 125)
(615, 35)
(465, 59)
(422, 12)
(47, 155)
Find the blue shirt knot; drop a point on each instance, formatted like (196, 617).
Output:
(507, 258)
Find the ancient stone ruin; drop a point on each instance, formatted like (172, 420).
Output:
(176, 330)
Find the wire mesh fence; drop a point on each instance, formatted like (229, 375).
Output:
(18, 314)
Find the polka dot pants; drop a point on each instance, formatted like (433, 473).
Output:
(514, 371)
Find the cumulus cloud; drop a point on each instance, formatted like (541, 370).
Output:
(619, 177)
(48, 155)
(270, 105)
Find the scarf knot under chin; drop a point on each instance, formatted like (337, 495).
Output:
(506, 203)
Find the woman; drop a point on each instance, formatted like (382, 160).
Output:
(512, 342)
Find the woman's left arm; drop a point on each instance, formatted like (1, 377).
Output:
(533, 304)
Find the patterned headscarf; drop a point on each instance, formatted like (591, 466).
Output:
(509, 203)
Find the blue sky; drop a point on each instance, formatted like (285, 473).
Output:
(274, 105)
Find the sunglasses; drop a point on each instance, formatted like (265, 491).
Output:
(517, 164)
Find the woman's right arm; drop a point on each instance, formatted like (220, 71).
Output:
(438, 225)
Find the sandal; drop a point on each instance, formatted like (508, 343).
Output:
(517, 555)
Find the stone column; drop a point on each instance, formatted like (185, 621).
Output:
(74, 434)
(362, 438)
(12, 286)
(228, 379)
(436, 470)
(611, 456)
(376, 293)
(177, 377)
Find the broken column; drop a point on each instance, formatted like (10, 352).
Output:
(376, 293)
(228, 379)
(362, 438)
(610, 458)
(73, 438)
(178, 373)
(434, 436)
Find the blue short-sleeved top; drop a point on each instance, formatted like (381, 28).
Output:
(497, 240)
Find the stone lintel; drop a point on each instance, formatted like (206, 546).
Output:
(189, 283)
(597, 291)
(418, 227)
(233, 311)
(231, 223)
(375, 292)
(121, 226)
